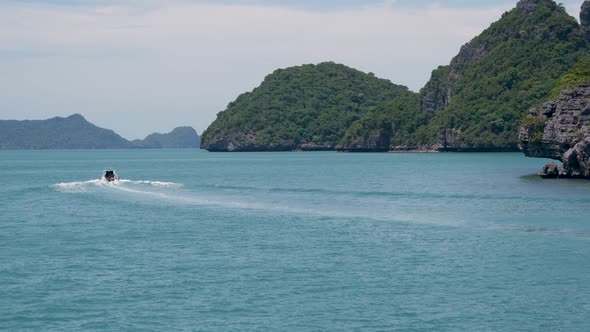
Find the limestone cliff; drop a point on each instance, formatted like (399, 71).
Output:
(560, 129)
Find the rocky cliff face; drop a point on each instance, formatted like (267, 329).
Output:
(437, 93)
(560, 129)
(585, 17)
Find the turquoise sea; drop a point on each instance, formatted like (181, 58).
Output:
(197, 241)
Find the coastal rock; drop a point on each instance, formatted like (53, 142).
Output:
(576, 161)
(373, 141)
(415, 148)
(451, 141)
(314, 147)
(560, 130)
(550, 171)
(245, 142)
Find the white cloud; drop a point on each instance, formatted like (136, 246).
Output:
(181, 63)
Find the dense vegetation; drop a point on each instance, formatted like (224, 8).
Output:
(74, 132)
(535, 126)
(309, 106)
(392, 123)
(580, 74)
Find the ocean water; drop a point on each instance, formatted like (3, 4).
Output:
(197, 241)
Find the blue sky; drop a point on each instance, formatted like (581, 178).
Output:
(144, 66)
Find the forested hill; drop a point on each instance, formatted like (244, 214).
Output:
(307, 107)
(476, 103)
(75, 132)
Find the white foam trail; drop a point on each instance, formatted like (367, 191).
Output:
(74, 184)
(77, 186)
(152, 183)
(252, 206)
(138, 187)
(81, 186)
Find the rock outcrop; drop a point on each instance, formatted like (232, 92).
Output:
(560, 129)
(550, 171)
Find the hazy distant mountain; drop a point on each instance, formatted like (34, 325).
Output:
(75, 132)
(179, 138)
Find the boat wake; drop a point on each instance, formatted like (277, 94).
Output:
(76, 186)
(82, 186)
(153, 183)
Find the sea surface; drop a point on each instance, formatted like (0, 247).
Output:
(197, 241)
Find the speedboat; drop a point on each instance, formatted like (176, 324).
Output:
(109, 175)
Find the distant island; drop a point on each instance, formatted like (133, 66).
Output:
(75, 132)
(476, 103)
